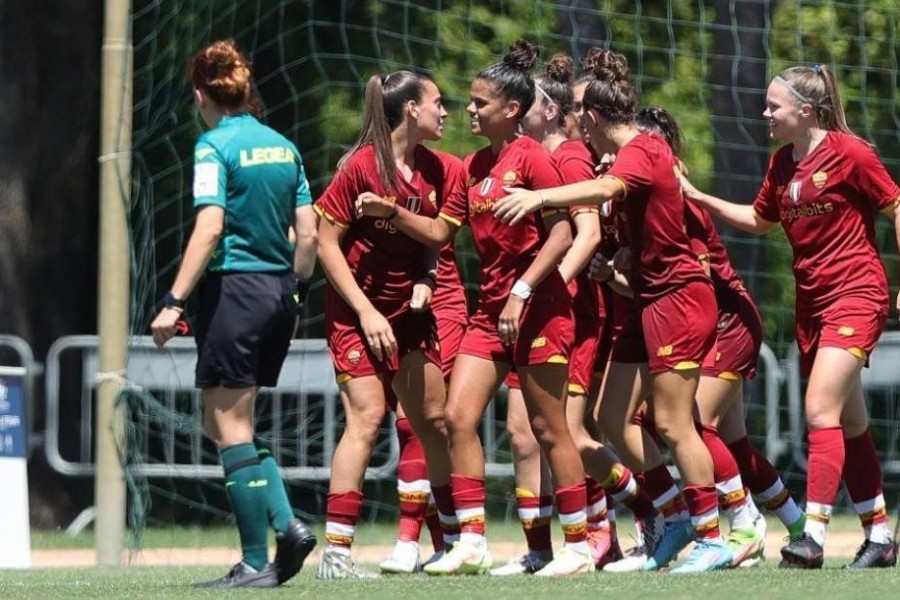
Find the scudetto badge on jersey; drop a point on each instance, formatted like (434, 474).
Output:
(413, 203)
(606, 209)
(794, 191)
(486, 185)
(206, 180)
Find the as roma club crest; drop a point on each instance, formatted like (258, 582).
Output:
(509, 178)
(819, 178)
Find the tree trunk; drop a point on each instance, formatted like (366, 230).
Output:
(737, 84)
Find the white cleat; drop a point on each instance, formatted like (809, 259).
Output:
(465, 558)
(634, 560)
(527, 564)
(567, 562)
(336, 564)
(403, 559)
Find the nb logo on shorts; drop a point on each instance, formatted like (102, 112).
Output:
(846, 331)
(539, 342)
(665, 350)
(353, 356)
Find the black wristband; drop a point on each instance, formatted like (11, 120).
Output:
(301, 291)
(393, 214)
(170, 301)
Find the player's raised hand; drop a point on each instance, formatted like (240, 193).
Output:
(373, 205)
(516, 206)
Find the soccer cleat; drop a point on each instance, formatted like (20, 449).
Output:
(403, 559)
(433, 558)
(744, 544)
(604, 545)
(802, 553)
(633, 560)
(873, 555)
(567, 562)
(762, 529)
(527, 564)
(243, 575)
(464, 558)
(338, 565)
(707, 555)
(291, 548)
(651, 529)
(676, 536)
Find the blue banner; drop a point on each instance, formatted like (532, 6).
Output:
(12, 413)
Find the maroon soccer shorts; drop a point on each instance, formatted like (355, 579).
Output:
(545, 336)
(352, 356)
(680, 328)
(854, 324)
(739, 335)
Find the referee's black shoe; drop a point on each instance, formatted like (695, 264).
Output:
(802, 553)
(243, 575)
(872, 555)
(291, 548)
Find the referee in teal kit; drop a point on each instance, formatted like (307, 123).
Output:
(249, 189)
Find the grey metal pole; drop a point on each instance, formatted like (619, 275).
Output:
(114, 285)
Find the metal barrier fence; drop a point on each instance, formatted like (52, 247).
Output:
(301, 412)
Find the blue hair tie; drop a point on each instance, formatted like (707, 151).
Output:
(817, 68)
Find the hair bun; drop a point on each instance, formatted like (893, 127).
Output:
(560, 68)
(521, 56)
(606, 65)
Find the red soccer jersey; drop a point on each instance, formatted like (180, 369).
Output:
(385, 262)
(654, 216)
(506, 251)
(576, 163)
(726, 282)
(449, 300)
(826, 204)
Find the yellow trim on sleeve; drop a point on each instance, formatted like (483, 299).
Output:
(329, 217)
(343, 378)
(450, 219)
(584, 209)
(622, 183)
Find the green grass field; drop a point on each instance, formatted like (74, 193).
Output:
(175, 581)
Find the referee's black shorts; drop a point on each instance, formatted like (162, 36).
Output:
(244, 328)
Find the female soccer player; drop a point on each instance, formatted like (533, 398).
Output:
(249, 188)
(550, 122)
(416, 508)
(675, 294)
(523, 317)
(720, 393)
(824, 188)
(379, 290)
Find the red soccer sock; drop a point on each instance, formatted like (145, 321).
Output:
(664, 494)
(342, 511)
(469, 498)
(703, 505)
(862, 474)
(571, 502)
(413, 488)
